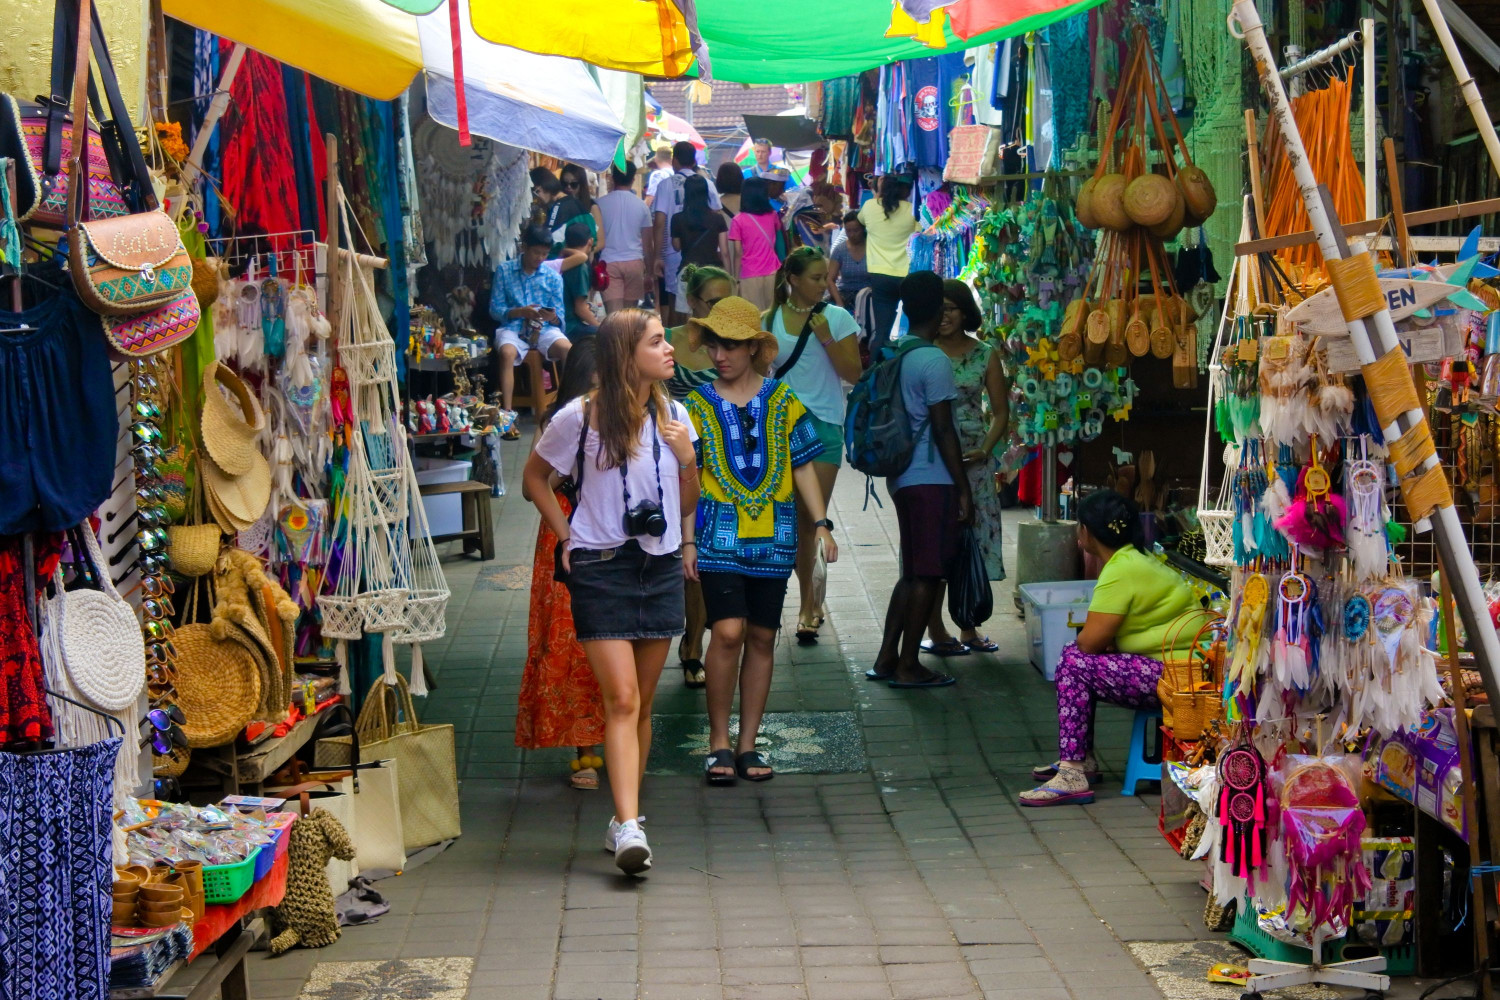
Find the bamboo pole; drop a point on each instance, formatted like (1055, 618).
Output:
(1252, 145)
(1374, 337)
(1367, 29)
(1398, 209)
(1465, 82)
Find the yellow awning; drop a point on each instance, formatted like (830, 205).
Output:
(363, 45)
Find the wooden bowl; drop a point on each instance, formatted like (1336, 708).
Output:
(158, 892)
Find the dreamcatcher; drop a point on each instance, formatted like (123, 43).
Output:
(1321, 825)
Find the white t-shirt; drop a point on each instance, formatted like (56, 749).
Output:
(813, 378)
(625, 216)
(657, 176)
(598, 523)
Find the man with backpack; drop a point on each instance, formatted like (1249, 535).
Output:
(911, 392)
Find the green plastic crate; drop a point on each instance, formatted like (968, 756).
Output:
(1400, 960)
(227, 883)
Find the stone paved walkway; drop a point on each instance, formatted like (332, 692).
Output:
(915, 876)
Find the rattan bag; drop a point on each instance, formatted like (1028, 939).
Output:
(1190, 688)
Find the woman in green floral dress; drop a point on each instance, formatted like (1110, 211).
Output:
(981, 414)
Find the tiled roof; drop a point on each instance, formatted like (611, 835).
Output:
(730, 102)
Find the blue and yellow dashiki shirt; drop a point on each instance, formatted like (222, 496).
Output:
(747, 511)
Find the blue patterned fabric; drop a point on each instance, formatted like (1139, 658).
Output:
(747, 511)
(515, 289)
(55, 873)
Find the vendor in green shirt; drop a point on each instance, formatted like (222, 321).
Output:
(577, 282)
(1115, 658)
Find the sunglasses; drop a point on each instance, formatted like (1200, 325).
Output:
(157, 608)
(161, 719)
(156, 586)
(572, 185)
(160, 630)
(162, 741)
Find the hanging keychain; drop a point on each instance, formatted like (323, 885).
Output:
(1365, 537)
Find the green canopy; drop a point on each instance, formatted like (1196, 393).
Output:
(792, 41)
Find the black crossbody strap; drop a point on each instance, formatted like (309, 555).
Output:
(58, 97)
(802, 340)
(578, 460)
(131, 167)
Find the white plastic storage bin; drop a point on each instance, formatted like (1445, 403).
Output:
(1048, 607)
(445, 514)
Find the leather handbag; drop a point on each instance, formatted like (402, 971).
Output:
(38, 135)
(126, 265)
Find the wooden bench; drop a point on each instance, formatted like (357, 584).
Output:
(479, 530)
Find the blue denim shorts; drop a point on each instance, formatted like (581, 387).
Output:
(625, 593)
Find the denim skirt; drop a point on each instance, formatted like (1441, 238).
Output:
(626, 593)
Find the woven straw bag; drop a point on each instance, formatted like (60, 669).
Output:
(218, 686)
(388, 728)
(100, 636)
(193, 548)
(1190, 687)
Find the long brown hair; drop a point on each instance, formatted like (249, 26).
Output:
(797, 262)
(617, 415)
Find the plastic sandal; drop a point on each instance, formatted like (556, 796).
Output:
(752, 758)
(807, 632)
(719, 758)
(692, 674)
(932, 680)
(950, 648)
(983, 644)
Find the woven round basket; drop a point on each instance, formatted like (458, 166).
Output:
(1108, 203)
(242, 496)
(1173, 223)
(229, 434)
(1198, 193)
(173, 765)
(1083, 207)
(218, 686)
(193, 548)
(206, 281)
(1150, 199)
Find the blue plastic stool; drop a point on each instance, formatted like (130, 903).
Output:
(1137, 767)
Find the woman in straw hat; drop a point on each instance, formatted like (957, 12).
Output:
(757, 443)
(629, 453)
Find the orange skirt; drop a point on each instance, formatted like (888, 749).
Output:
(559, 703)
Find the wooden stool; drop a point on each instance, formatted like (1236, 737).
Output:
(537, 396)
(479, 530)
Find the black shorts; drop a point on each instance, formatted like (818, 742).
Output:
(734, 595)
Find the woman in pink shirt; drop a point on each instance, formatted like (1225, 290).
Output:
(752, 245)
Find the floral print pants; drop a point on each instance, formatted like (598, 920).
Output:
(1084, 679)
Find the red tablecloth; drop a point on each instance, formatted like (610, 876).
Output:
(219, 918)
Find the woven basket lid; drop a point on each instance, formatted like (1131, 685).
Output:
(242, 497)
(228, 433)
(218, 686)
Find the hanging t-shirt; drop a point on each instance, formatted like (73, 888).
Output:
(928, 145)
(953, 107)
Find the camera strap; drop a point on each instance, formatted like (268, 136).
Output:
(655, 462)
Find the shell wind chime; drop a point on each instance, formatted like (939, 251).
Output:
(1142, 197)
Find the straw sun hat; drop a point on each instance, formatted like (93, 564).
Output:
(734, 318)
(236, 476)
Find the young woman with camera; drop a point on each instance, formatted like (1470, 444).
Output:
(758, 443)
(629, 453)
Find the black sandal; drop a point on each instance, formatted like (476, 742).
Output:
(692, 674)
(719, 758)
(752, 758)
(807, 634)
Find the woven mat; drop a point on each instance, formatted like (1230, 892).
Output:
(1180, 967)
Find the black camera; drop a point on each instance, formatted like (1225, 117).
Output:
(646, 518)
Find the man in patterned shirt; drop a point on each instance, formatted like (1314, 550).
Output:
(527, 303)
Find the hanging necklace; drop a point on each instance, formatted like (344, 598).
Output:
(799, 310)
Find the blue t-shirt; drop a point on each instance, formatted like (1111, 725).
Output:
(926, 378)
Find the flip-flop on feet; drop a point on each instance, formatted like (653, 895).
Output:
(872, 675)
(948, 647)
(931, 679)
(982, 644)
(807, 632)
(720, 759)
(1049, 771)
(753, 759)
(692, 674)
(1069, 787)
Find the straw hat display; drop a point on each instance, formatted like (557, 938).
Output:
(735, 318)
(236, 476)
(218, 685)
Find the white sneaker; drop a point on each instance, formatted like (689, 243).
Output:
(632, 853)
(612, 832)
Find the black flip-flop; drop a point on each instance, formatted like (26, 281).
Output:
(871, 675)
(952, 647)
(689, 669)
(935, 681)
(719, 758)
(752, 758)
